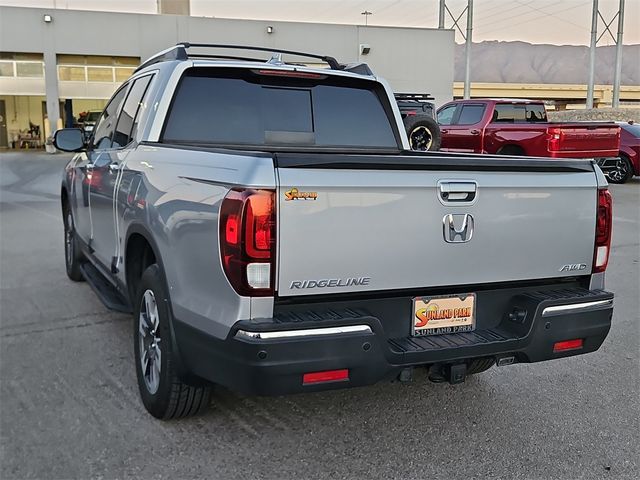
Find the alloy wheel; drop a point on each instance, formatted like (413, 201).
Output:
(420, 139)
(621, 170)
(149, 342)
(68, 238)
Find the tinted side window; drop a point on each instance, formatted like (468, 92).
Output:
(445, 116)
(508, 113)
(471, 114)
(106, 125)
(234, 107)
(128, 121)
(536, 113)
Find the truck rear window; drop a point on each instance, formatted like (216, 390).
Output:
(519, 113)
(245, 107)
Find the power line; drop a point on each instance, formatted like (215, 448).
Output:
(502, 11)
(555, 13)
(502, 20)
(526, 21)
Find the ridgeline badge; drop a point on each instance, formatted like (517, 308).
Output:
(295, 194)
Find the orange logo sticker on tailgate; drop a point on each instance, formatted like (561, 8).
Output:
(295, 194)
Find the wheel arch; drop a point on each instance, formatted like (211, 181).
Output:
(511, 149)
(137, 232)
(138, 236)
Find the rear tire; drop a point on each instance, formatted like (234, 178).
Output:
(423, 133)
(623, 171)
(480, 365)
(162, 392)
(72, 253)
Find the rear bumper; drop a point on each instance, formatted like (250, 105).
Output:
(270, 357)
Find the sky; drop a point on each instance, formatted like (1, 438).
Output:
(556, 22)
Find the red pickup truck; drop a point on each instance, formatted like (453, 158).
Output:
(520, 127)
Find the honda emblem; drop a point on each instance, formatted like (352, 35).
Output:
(457, 228)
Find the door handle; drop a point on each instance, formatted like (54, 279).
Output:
(474, 132)
(444, 130)
(457, 191)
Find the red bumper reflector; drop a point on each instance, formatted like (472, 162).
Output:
(328, 376)
(567, 345)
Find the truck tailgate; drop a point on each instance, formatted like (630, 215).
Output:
(590, 141)
(356, 223)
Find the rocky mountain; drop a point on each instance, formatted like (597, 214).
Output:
(521, 62)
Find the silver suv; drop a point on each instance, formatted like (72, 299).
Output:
(272, 232)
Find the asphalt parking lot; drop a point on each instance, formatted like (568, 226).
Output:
(69, 403)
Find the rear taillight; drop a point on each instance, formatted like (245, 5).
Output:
(554, 136)
(247, 241)
(604, 221)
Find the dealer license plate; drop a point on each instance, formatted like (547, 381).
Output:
(444, 314)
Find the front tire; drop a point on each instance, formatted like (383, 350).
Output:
(622, 172)
(162, 392)
(72, 253)
(423, 133)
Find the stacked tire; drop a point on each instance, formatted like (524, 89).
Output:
(423, 133)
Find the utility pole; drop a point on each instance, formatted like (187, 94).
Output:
(615, 103)
(592, 53)
(467, 51)
(468, 10)
(596, 14)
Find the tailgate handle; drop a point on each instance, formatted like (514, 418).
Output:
(457, 192)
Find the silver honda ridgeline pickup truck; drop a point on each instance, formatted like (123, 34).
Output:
(271, 232)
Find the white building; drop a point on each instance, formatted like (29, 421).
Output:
(55, 64)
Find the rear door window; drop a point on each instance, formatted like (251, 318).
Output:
(128, 121)
(523, 113)
(243, 107)
(508, 113)
(470, 114)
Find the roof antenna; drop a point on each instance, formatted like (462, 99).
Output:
(276, 59)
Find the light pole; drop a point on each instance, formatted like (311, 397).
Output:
(592, 53)
(366, 14)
